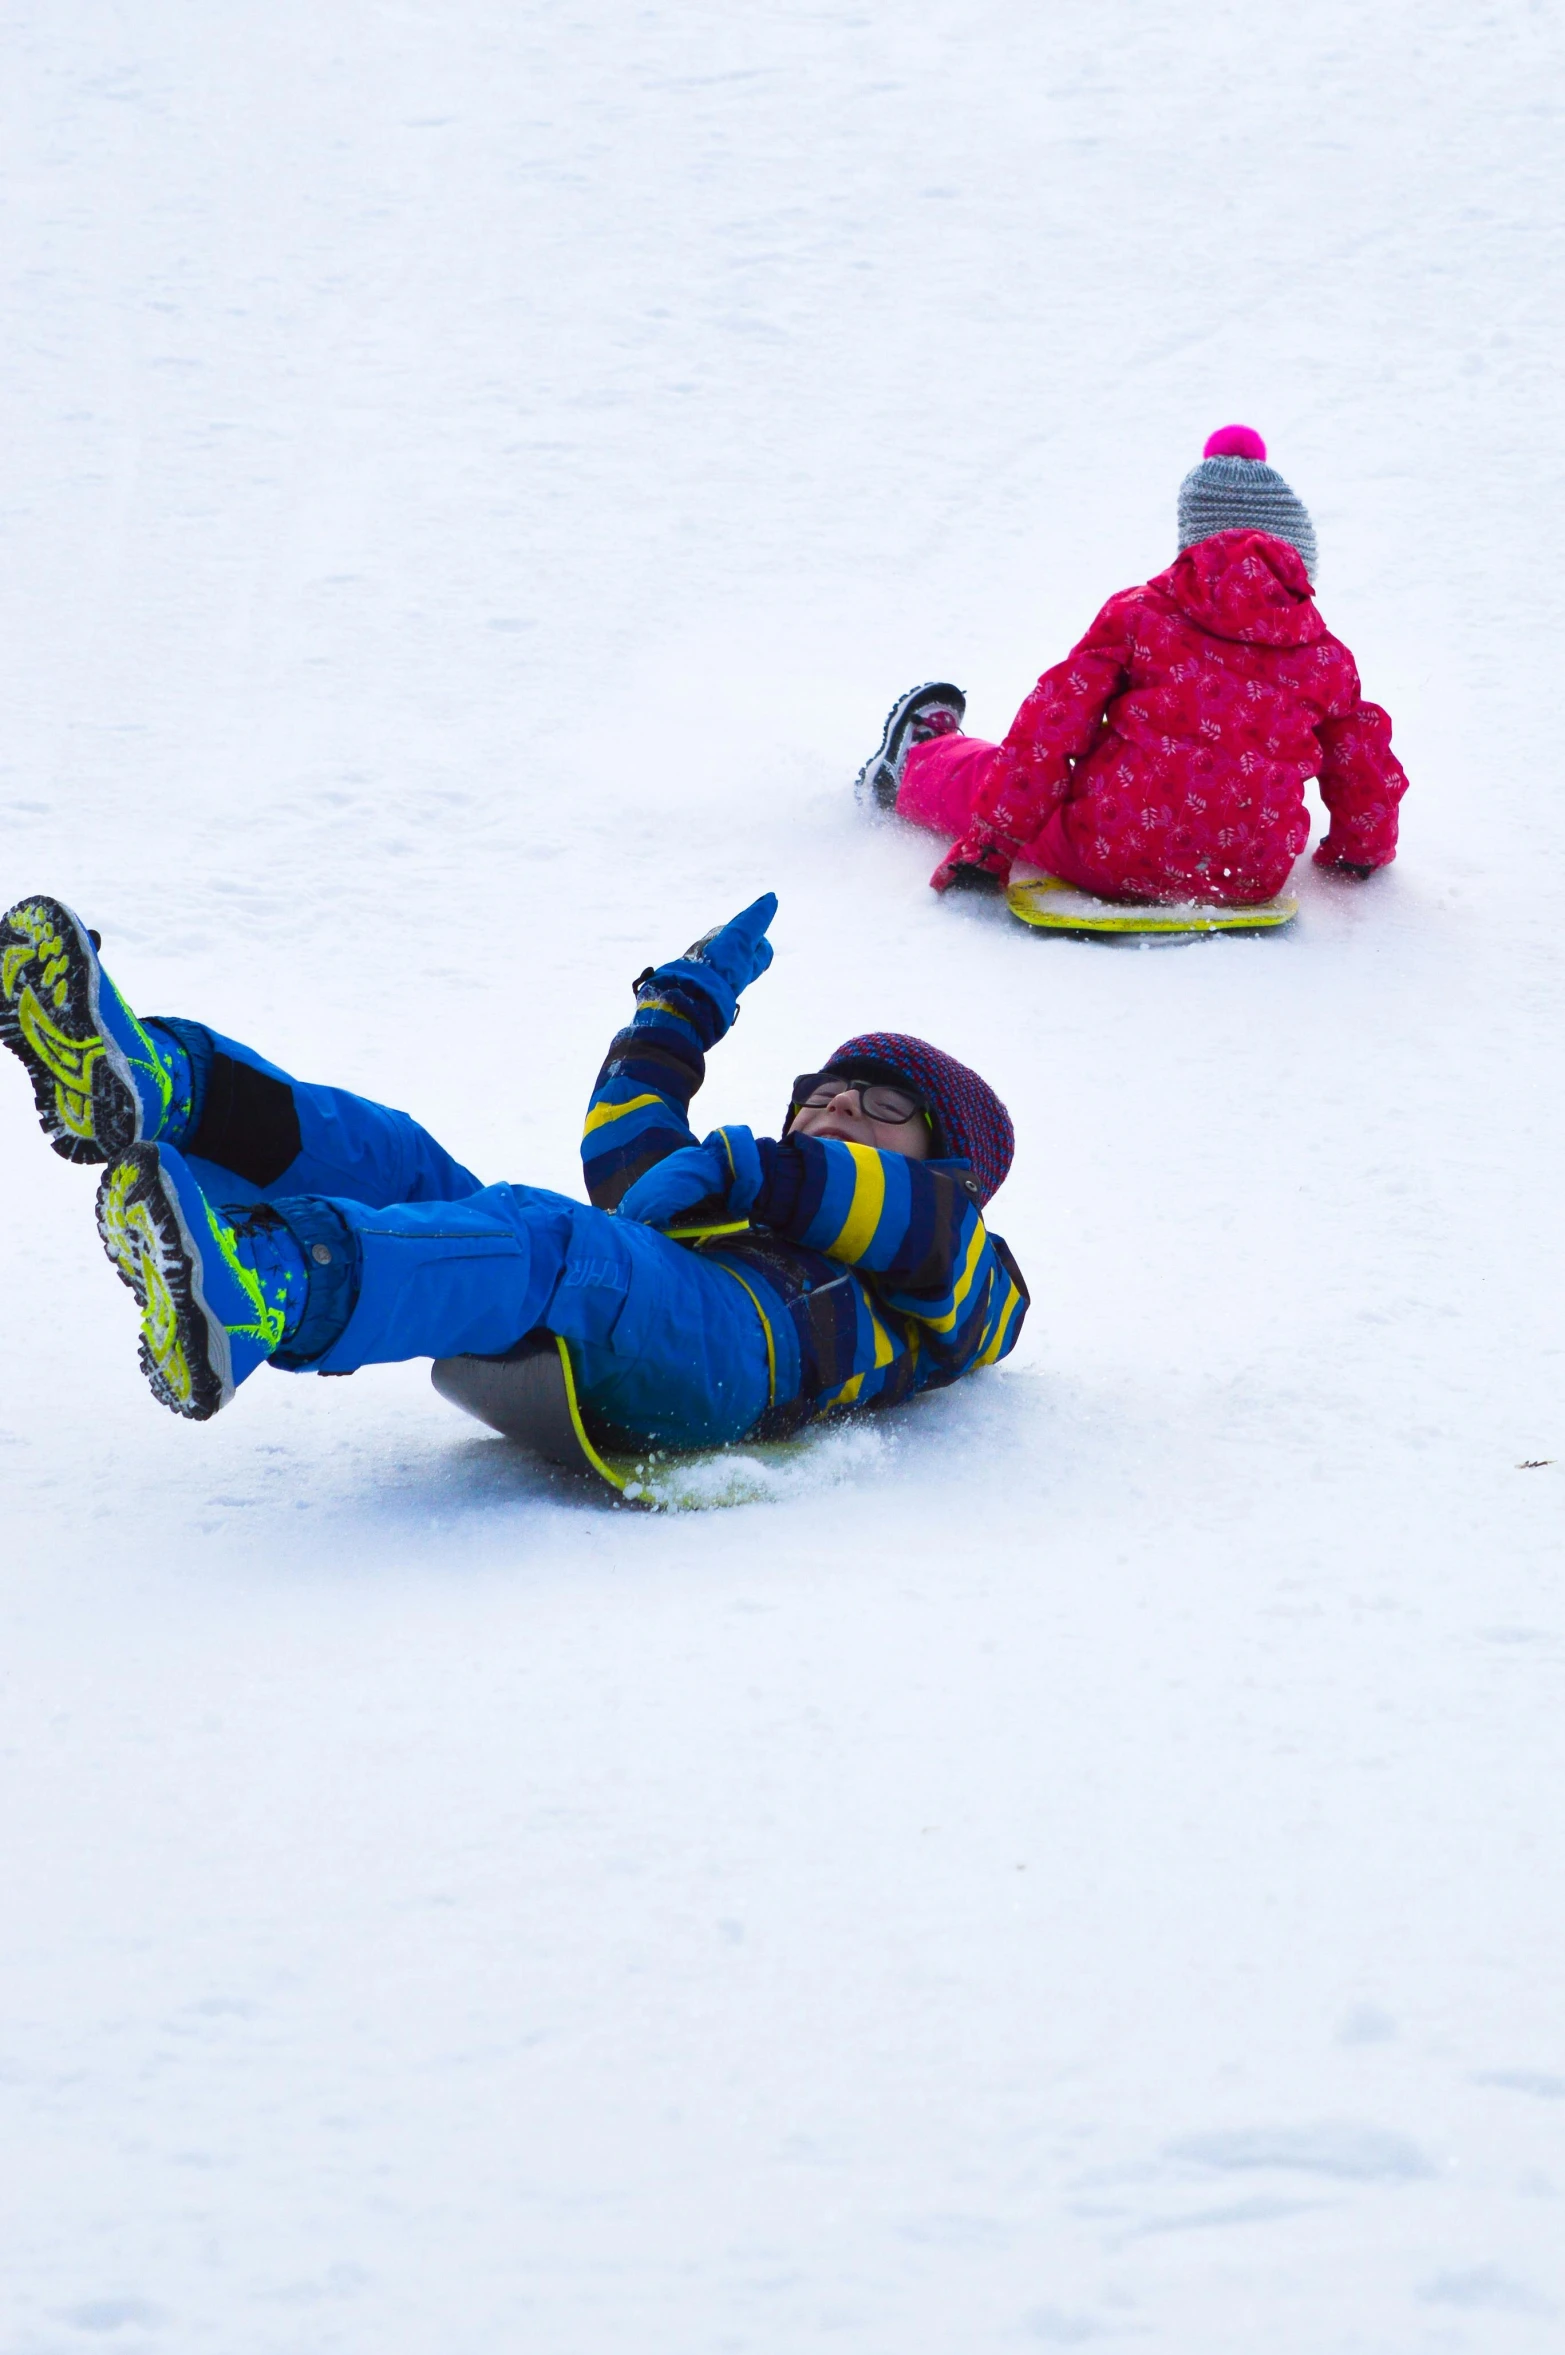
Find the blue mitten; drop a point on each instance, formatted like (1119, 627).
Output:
(727, 959)
(724, 1170)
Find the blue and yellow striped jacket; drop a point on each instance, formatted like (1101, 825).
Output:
(874, 1276)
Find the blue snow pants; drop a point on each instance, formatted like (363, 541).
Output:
(665, 1344)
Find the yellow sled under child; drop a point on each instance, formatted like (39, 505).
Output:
(1049, 905)
(529, 1395)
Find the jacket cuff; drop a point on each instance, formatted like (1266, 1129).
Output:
(690, 1001)
(782, 1182)
(1347, 854)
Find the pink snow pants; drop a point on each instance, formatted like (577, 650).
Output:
(940, 783)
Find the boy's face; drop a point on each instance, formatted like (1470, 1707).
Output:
(836, 1107)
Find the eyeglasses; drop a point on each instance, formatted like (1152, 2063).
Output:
(878, 1100)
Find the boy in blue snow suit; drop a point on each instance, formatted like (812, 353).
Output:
(254, 1217)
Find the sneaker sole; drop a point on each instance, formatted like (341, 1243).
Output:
(87, 1102)
(877, 781)
(184, 1348)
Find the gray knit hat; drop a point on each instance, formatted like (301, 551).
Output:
(1233, 489)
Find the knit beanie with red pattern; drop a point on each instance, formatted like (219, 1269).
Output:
(973, 1124)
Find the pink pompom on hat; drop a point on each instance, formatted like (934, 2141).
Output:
(1233, 489)
(1235, 441)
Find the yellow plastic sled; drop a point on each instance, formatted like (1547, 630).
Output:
(1049, 905)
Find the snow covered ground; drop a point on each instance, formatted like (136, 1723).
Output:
(1085, 1864)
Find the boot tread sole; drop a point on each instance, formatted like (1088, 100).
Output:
(87, 1107)
(144, 1237)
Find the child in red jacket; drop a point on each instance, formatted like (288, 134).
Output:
(1165, 757)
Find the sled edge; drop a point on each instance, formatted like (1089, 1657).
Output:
(1028, 902)
(529, 1396)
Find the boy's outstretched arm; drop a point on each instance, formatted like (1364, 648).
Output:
(914, 1232)
(654, 1066)
(1055, 726)
(1361, 783)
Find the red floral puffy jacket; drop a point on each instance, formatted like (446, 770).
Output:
(1166, 755)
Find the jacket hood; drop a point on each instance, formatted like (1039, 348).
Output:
(1245, 585)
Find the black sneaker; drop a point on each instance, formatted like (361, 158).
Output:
(935, 709)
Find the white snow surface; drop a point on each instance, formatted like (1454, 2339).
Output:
(1086, 1867)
